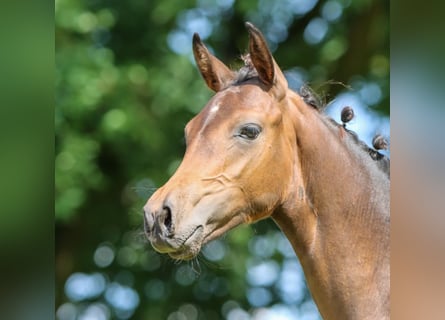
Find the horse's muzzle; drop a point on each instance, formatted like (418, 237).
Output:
(159, 229)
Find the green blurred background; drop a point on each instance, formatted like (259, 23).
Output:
(126, 85)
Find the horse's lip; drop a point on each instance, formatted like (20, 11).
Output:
(210, 236)
(188, 250)
(197, 232)
(182, 255)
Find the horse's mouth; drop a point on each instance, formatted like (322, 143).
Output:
(199, 237)
(183, 255)
(190, 247)
(193, 244)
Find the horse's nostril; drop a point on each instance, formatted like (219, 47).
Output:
(166, 212)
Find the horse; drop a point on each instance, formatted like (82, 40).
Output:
(259, 149)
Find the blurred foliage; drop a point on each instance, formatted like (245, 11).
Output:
(26, 160)
(126, 86)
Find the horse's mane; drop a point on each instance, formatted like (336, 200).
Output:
(311, 98)
(379, 142)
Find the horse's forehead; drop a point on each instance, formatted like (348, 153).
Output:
(236, 99)
(230, 104)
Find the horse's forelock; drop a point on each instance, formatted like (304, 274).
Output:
(247, 71)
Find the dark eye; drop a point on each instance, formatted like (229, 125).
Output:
(250, 131)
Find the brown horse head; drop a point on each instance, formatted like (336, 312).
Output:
(238, 161)
(260, 150)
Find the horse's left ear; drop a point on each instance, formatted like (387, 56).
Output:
(215, 73)
(261, 57)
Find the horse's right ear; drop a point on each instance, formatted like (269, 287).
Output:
(269, 72)
(215, 73)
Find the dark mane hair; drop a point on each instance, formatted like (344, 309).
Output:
(382, 161)
(312, 99)
(247, 71)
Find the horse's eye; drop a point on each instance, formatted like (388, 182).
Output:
(250, 131)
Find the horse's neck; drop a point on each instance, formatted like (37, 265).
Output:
(337, 222)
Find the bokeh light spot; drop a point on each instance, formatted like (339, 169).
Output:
(214, 250)
(179, 42)
(379, 65)
(177, 315)
(331, 11)
(301, 7)
(284, 246)
(315, 31)
(225, 4)
(227, 306)
(138, 74)
(296, 77)
(95, 311)
(195, 21)
(86, 22)
(262, 246)
(291, 282)
(106, 18)
(103, 256)
(263, 273)
(309, 311)
(127, 256)
(65, 161)
(155, 289)
(259, 297)
(238, 314)
(185, 275)
(122, 298)
(81, 286)
(370, 93)
(66, 311)
(115, 119)
(190, 311)
(334, 49)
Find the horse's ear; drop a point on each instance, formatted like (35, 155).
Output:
(215, 73)
(261, 57)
